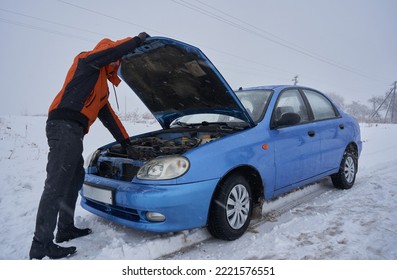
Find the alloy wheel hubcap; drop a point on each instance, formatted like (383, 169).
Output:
(350, 169)
(237, 207)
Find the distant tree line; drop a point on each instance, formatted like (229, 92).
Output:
(138, 117)
(378, 109)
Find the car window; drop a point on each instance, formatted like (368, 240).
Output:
(254, 101)
(211, 118)
(322, 108)
(291, 101)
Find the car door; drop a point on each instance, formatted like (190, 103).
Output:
(330, 128)
(297, 146)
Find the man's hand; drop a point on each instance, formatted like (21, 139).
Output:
(131, 152)
(143, 36)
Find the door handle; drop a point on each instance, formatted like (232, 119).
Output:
(311, 133)
(342, 126)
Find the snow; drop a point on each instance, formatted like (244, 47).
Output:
(316, 222)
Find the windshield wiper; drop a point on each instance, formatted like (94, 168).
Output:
(223, 125)
(186, 125)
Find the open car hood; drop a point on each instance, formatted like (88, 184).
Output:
(174, 79)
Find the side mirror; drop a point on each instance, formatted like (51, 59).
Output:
(288, 119)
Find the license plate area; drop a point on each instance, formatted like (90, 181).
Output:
(96, 193)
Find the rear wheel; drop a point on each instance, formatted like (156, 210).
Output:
(231, 208)
(346, 176)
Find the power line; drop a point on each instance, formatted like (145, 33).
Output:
(159, 32)
(197, 44)
(30, 26)
(246, 23)
(117, 19)
(267, 32)
(229, 22)
(111, 17)
(52, 22)
(285, 44)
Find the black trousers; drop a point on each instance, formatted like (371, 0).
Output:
(65, 176)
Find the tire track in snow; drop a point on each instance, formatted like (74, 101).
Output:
(270, 212)
(323, 191)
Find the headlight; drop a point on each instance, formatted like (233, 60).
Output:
(163, 168)
(91, 158)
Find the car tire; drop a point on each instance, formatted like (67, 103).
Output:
(346, 176)
(231, 208)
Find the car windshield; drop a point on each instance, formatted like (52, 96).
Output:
(254, 101)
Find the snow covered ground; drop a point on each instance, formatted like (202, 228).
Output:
(317, 222)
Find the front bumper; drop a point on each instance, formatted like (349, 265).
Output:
(185, 206)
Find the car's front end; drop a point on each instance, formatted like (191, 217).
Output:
(166, 180)
(148, 190)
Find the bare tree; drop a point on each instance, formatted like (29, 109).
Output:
(358, 110)
(376, 101)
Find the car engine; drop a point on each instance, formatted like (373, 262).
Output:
(114, 162)
(150, 147)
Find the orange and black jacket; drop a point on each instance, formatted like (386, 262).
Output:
(84, 95)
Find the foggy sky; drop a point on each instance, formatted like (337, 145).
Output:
(347, 47)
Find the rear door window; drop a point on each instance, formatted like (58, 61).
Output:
(321, 107)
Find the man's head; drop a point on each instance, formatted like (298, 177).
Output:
(112, 68)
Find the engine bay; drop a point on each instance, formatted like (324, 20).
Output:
(150, 147)
(114, 161)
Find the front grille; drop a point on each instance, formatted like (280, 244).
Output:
(106, 169)
(129, 172)
(117, 168)
(117, 211)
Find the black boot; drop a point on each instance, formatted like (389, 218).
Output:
(71, 233)
(51, 250)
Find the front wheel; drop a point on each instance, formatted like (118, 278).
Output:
(346, 176)
(231, 209)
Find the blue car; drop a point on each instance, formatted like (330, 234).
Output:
(220, 152)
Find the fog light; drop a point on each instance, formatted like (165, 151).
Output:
(155, 217)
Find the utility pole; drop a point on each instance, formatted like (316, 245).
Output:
(295, 79)
(391, 98)
(393, 104)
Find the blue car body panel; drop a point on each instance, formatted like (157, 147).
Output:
(184, 205)
(284, 158)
